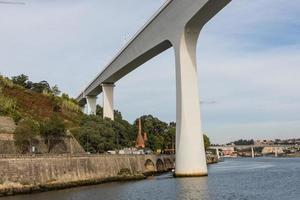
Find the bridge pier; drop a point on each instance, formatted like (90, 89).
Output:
(91, 104)
(252, 152)
(108, 100)
(82, 108)
(190, 152)
(218, 153)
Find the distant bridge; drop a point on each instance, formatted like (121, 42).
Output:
(252, 147)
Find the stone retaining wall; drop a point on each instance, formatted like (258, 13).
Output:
(63, 170)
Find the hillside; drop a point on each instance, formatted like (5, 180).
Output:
(32, 115)
(41, 113)
(19, 102)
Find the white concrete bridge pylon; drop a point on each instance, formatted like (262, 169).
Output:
(91, 104)
(108, 100)
(177, 24)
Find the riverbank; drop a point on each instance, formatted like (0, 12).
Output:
(40, 173)
(9, 189)
(36, 173)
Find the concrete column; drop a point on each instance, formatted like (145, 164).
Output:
(108, 100)
(252, 152)
(91, 105)
(218, 153)
(82, 109)
(190, 152)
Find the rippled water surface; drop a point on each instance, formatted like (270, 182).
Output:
(259, 178)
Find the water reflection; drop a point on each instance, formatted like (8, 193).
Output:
(192, 188)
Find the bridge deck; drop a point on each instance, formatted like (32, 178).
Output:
(93, 87)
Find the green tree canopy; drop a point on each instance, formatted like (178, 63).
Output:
(53, 130)
(26, 131)
(20, 80)
(41, 87)
(206, 141)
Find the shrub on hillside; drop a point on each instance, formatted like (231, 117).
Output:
(53, 130)
(8, 107)
(41, 87)
(20, 80)
(25, 134)
(70, 106)
(6, 82)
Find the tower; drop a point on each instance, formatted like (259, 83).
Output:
(140, 142)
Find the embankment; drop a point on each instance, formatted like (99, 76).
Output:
(26, 174)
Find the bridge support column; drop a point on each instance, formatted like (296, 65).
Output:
(218, 153)
(252, 152)
(91, 105)
(108, 101)
(82, 109)
(190, 152)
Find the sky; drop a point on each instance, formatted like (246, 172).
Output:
(248, 60)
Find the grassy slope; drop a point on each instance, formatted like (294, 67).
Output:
(38, 106)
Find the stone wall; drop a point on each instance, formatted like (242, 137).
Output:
(7, 125)
(7, 142)
(41, 170)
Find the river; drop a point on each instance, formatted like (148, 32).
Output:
(234, 179)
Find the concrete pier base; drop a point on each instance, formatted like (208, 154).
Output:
(91, 105)
(108, 101)
(190, 152)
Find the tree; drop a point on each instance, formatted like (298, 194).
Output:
(65, 96)
(206, 141)
(25, 134)
(244, 142)
(20, 80)
(29, 85)
(55, 90)
(53, 130)
(41, 87)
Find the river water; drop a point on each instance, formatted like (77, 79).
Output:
(243, 178)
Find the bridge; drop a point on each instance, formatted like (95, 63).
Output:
(252, 147)
(176, 24)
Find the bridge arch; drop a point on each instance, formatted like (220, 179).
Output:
(168, 164)
(160, 167)
(149, 165)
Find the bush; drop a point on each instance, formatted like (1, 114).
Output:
(8, 107)
(25, 133)
(20, 80)
(41, 87)
(70, 106)
(6, 82)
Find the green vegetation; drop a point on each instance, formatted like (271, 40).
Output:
(8, 105)
(53, 130)
(98, 135)
(206, 141)
(41, 111)
(243, 142)
(25, 134)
